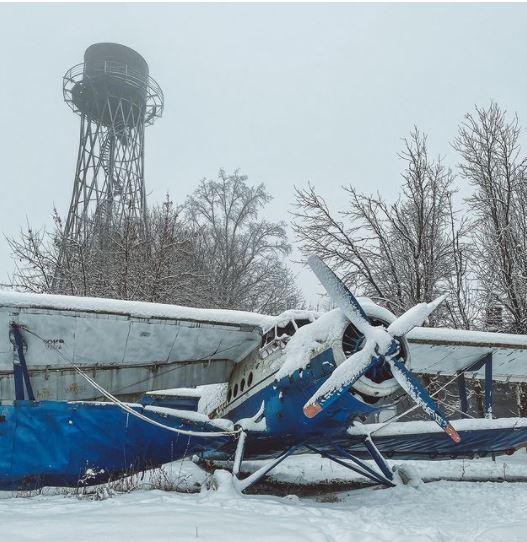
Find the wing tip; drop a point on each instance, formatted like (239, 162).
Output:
(452, 433)
(312, 409)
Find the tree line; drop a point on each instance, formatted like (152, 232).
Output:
(213, 250)
(424, 244)
(217, 250)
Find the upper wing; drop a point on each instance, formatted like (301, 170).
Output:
(129, 346)
(446, 351)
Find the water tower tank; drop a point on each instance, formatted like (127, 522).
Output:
(114, 84)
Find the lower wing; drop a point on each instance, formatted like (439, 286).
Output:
(425, 440)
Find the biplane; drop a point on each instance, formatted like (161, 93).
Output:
(78, 381)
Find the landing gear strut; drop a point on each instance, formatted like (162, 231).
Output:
(384, 475)
(242, 485)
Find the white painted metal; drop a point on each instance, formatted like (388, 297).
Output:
(128, 347)
(445, 351)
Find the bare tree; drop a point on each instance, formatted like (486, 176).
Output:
(213, 251)
(241, 254)
(110, 263)
(33, 254)
(401, 253)
(492, 161)
(174, 273)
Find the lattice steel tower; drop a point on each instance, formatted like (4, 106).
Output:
(115, 98)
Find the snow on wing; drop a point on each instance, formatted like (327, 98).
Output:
(132, 346)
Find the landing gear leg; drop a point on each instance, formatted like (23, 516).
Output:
(359, 466)
(242, 485)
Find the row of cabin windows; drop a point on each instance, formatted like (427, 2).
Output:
(233, 392)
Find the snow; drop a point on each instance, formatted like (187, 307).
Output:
(256, 423)
(346, 373)
(338, 292)
(191, 416)
(212, 396)
(296, 314)
(422, 426)
(439, 511)
(467, 337)
(310, 469)
(142, 309)
(308, 339)
(137, 309)
(414, 317)
(177, 392)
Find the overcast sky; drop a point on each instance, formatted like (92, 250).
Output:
(286, 93)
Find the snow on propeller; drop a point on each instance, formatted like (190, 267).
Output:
(380, 346)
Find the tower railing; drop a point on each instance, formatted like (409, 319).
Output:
(154, 101)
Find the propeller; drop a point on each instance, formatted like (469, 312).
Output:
(381, 345)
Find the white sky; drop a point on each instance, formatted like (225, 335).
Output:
(286, 93)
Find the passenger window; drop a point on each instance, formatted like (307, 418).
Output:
(250, 379)
(235, 390)
(229, 395)
(242, 385)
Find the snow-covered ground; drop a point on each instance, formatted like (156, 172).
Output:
(436, 511)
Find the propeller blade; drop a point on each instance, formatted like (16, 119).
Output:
(344, 376)
(379, 342)
(339, 294)
(419, 395)
(413, 317)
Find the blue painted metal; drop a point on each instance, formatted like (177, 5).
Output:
(90, 443)
(19, 381)
(488, 385)
(361, 469)
(437, 445)
(332, 396)
(344, 453)
(378, 458)
(478, 364)
(284, 401)
(422, 397)
(484, 361)
(265, 469)
(331, 282)
(171, 401)
(66, 444)
(21, 367)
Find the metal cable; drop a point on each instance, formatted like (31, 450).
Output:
(129, 409)
(412, 408)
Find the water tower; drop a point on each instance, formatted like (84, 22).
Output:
(116, 99)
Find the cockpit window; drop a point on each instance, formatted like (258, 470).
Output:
(289, 330)
(303, 322)
(268, 337)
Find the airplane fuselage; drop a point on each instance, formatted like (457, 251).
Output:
(253, 384)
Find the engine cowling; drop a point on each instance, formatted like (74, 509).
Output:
(379, 382)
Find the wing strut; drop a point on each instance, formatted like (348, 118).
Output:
(485, 361)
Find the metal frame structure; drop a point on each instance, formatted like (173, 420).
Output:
(383, 476)
(485, 361)
(117, 104)
(20, 370)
